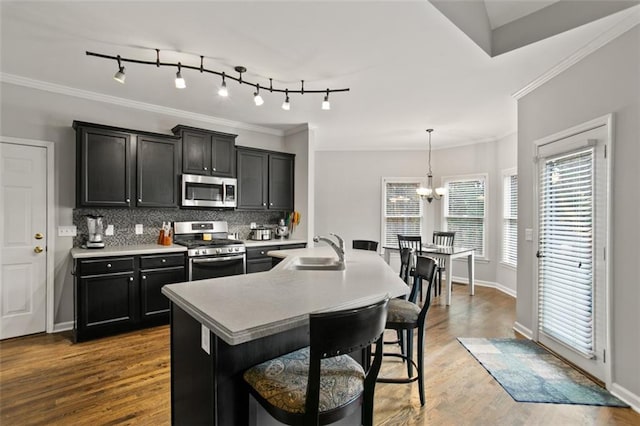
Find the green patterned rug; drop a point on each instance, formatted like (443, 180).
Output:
(529, 373)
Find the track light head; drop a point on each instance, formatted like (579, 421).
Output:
(180, 83)
(222, 91)
(326, 105)
(120, 75)
(286, 105)
(256, 96)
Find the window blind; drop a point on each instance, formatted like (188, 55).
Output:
(465, 211)
(402, 211)
(510, 224)
(566, 250)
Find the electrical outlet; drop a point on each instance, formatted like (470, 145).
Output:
(139, 229)
(109, 230)
(67, 231)
(528, 234)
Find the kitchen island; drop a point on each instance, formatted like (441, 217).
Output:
(223, 326)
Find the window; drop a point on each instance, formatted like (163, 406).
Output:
(465, 209)
(510, 218)
(401, 209)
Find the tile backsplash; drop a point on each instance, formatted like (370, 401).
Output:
(125, 220)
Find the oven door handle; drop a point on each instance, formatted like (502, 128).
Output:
(217, 259)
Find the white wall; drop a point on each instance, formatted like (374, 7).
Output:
(348, 194)
(36, 114)
(607, 81)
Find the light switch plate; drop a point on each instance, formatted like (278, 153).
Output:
(109, 230)
(205, 341)
(528, 234)
(67, 231)
(139, 228)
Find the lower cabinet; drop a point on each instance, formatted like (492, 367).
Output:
(115, 294)
(259, 261)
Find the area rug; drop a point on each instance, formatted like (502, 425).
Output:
(529, 373)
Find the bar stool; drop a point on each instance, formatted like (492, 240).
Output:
(365, 245)
(320, 384)
(406, 316)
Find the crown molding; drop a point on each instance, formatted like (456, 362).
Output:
(128, 103)
(606, 37)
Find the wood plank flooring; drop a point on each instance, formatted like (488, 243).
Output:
(47, 380)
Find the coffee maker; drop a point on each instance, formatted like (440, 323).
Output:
(94, 225)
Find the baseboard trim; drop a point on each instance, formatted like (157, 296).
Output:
(62, 326)
(506, 290)
(626, 395)
(521, 329)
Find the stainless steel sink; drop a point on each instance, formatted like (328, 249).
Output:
(317, 264)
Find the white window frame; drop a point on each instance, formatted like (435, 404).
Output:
(445, 206)
(506, 174)
(383, 214)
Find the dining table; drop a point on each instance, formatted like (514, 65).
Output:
(447, 254)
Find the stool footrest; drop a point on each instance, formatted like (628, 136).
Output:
(399, 380)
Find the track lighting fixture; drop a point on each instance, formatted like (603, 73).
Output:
(326, 105)
(222, 90)
(119, 76)
(180, 83)
(256, 96)
(286, 105)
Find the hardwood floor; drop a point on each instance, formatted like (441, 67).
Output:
(45, 379)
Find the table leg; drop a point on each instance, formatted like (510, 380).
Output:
(471, 267)
(447, 267)
(387, 256)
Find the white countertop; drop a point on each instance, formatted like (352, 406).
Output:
(109, 251)
(273, 242)
(241, 308)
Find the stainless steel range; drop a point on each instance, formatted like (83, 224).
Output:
(211, 254)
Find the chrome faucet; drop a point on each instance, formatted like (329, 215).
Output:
(338, 248)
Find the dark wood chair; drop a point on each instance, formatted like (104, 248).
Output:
(406, 316)
(413, 242)
(365, 245)
(320, 384)
(442, 238)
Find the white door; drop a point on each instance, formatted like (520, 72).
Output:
(572, 228)
(23, 239)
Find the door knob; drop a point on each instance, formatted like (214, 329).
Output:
(38, 236)
(38, 249)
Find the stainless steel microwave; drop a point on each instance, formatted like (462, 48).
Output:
(208, 191)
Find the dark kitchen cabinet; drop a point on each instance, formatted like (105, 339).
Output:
(265, 180)
(104, 167)
(124, 168)
(118, 294)
(157, 171)
(106, 297)
(259, 261)
(205, 152)
(156, 271)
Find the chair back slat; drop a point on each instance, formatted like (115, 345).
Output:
(365, 245)
(410, 241)
(443, 238)
(405, 263)
(329, 336)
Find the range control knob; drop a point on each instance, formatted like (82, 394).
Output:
(218, 250)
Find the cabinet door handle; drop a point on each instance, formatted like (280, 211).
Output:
(164, 260)
(264, 204)
(204, 168)
(108, 265)
(270, 204)
(214, 169)
(139, 200)
(144, 277)
(130, 278)
(262, 252)
(128, 200)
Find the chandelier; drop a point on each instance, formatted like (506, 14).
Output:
(429, 193)
(223, 91)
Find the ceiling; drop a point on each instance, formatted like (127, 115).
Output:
(407, 65)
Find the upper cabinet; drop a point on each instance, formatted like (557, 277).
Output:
(205, 152)
(125, 168)
(265, 180)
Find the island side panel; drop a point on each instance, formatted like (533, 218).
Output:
(192, 384)
(209, 389)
